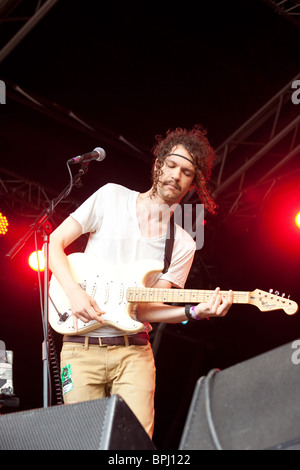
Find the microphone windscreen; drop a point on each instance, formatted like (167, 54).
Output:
(101, 153)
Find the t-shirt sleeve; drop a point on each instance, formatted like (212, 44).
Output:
(90, 213)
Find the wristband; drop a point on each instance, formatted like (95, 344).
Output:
(187, 312)
(193, 314)
(190, 313)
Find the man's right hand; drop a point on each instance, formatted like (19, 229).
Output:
(84, 307)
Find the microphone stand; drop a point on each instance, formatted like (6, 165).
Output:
(41, 223)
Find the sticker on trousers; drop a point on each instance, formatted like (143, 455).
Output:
(66, 379)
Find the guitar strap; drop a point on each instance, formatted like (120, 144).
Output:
(169, 244)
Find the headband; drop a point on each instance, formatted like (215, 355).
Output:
(178, 155)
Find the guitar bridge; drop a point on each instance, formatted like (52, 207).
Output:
(83, 285)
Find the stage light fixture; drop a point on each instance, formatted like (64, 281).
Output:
(3, 224)
(37, 261)
(297, 219)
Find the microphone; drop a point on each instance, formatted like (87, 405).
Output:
(97, 154)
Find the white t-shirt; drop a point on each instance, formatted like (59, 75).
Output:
(110, 216)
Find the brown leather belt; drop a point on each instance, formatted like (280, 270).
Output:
(139, 339)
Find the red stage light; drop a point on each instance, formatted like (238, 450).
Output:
(282, 219)
(297, 219)
(37, 261)
(3, 224)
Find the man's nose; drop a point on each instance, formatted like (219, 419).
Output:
(176, 173)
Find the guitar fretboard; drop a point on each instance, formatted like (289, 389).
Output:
(144, 294)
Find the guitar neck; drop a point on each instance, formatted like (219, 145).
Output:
(144, 294)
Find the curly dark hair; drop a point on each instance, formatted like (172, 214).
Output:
(196, 143)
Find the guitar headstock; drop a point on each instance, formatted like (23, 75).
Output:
(267, 301)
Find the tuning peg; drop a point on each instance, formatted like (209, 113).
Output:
(271, 291)
(283, 295)
(277, 293)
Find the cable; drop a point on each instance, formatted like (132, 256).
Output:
(71, 181)
(210, 422)
(55, 368)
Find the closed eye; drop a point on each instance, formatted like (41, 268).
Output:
(188, 173)
(171, 164)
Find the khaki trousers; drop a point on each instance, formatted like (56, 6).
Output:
(91, 371)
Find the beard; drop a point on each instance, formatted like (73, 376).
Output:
(169, 194)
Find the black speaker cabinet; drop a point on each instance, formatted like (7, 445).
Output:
(253, 405)
(105, 424)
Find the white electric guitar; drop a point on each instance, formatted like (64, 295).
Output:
(117, 289)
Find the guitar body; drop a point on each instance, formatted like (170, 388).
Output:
(108, 285)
